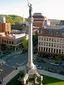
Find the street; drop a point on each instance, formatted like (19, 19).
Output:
(13, 60)
(16, 59)
(46, 65)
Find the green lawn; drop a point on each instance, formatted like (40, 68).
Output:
(15, 81)
(46, 81)
(52, 81)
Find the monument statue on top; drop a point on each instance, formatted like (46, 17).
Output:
(30, 10)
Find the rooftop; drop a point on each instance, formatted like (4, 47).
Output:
(39, 17)
(13, 36)
(52, 32)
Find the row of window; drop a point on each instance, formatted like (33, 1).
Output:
(7, 42)
(51, 39)
(51, 50)
(51, 44)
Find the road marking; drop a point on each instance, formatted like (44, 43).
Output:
(17, 64)
(12, 54)
(21, 63)
(10, 65)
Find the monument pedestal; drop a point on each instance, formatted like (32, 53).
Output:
(31, 73)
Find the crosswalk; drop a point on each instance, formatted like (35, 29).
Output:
(12, 54)
(10, 66)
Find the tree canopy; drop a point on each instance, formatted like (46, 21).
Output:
(13, 18)
(25, 43)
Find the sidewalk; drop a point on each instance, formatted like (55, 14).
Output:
(42, 72)
(50, 74)
(11, 75)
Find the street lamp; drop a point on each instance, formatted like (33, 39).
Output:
(1, 70)
(2, 62)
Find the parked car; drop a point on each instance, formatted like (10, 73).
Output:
(38, 67)
(54, 64)
(62, 73)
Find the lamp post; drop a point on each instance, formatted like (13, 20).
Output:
(2, 62)
(1, 70)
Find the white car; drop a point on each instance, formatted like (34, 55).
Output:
(54, 64)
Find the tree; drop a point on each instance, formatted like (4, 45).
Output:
(58, 58)
(25, 43)
(13, 18)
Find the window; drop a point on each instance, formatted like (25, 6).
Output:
(42, 43)
(57, 40)
(49, 39)
(49, 44)
(60, 46)
(39, 43)
(42, 38)
(54, 45)
(12, 42)
(49, 49)
(52, 39)
(61, 40)
(57, 46)
(59, 51)
(3, 41)
(39, 49)
(9, 42)
(56, 50)
(46, 49)
(39, 38)
(46, 43)
(62, 52)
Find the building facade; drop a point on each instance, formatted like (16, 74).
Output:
(5, 27)
(38, 20)
(51, 41)
(9, 39)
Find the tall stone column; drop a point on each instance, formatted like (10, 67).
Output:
(30, 46)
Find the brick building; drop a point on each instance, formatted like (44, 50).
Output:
(51, 41)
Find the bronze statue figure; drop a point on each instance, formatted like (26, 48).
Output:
(30, 10)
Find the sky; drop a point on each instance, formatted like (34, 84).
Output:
(52, 9)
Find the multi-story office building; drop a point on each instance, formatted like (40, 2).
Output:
(51, 41)
(12, 40)
(39, 20)
(7, 38)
